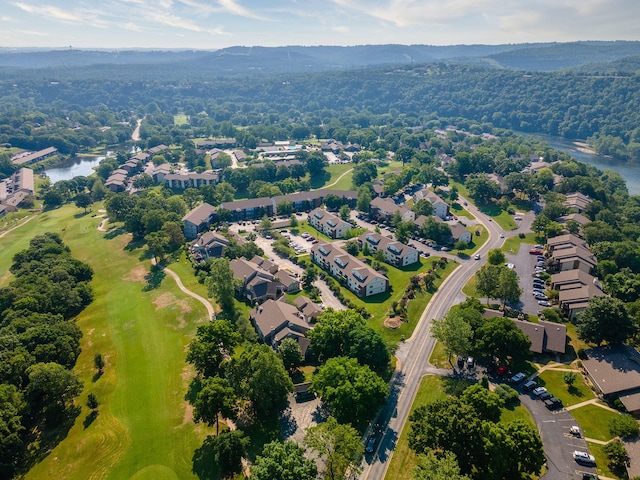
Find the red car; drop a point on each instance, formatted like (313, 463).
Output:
(535, 251)
(501, 370)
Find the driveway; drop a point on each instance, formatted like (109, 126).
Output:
(557, 441)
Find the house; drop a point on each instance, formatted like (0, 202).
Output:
(357, 276)
(19, 185)
(615, 372)
(276, 320)
(191, 180)
(309, 310)
(577, 201)
(546, 337)
(250, 208)
(256, 284)
(117, 182)
(3, 210)
(395, 253)
(328, 223)
(265, 264)
(384, 209)
(499, 179)
(573, 257)
(216, 143)
(157, 149)
(572, 301)
(209, 245)
(25, 158)
(198, 220)
(160, 171)
(572, 279)
(576, 217)
(460, 234)
(440, 207)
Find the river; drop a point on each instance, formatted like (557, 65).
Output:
(629, 171)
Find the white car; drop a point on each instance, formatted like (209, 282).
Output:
(539, 391)
(517, 218)
(477, 256)
(518, 377)
(502, 235)
(583, 457)
(544, 303)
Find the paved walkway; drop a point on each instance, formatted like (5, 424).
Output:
(593, 401)
(17, 226)
(332, 184)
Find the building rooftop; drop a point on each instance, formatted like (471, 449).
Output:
(614, 369)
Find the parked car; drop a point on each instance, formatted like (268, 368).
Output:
(575, 431)
(444, 249)
(590, 476)
(538, 246)
(539, 391)
(544, 303)
(518, 377)
(545, 396)
(535, 251)
(530, 385)
(553, 403)
(471, 362)
(583, 458)
(501, 370)
(517, 218)
(540, 296)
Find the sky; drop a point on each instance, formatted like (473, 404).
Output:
(214, 24)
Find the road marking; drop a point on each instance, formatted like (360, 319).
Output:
(548, 421)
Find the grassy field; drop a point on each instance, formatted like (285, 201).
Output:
(498, 215)
(597, 451)
(439, 357)
(459, 211)
(594, 421)
(180, 119)
(333, 171)
(144, 428)
(577, 393)
(512, 244)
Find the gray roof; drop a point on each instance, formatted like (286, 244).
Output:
(614, 369)
(200, 214)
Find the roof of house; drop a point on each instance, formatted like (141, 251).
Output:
(578, 217)
(285, 279)
(535, 333)
(22, 158)
(307, 307)
(555, 336)
(580, 294)
(389, 206)
(244, 269)
(574, 253)
(349, 265)
(274, 315)
(457, 230)
(574, 277)
(192, 175)
(381, 242)
(577, 200)
(248, 204)
(23, 180)
(162, 168)
(569, 239)
(329, 219)
(209, 238)
(200, 214)
(265, 264)
(614, 369)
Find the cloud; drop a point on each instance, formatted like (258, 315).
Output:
(84, 17)
(4, 18)
(232, 6)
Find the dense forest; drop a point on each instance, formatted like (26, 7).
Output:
(74, 114)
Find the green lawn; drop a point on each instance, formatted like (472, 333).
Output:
(594, 421)
(303, 226)
(144, 429)
(577, 393)
(476, 243)
(180, 119)
(602, 468)
(517, 412)
(470, 288)
(333, 171)
(439, 357)
(498, 215)
(512, 244)
(459, 211)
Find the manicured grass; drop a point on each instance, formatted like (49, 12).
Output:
(182, 266)
(594, 421)
(333, 171)
(439, 357)
(512, 244)
(403, 460)
(499, 216)
(386, 167)
(577, 393)
(476, 243)
(180, 119)
(602, 468)
(303, 226)
(470, 288)
(144, 427)
(459, 211)
(517, 412)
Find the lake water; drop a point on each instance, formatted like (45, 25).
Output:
(629, 171)
(74, 167)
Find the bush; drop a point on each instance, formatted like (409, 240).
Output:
(624, 426)
(508, 395)
(521, 235)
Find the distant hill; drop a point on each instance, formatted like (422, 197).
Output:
(235, 61)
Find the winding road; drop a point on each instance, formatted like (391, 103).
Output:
(413, 355)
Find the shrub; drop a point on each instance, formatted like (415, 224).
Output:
(507, 394)
(624, 426)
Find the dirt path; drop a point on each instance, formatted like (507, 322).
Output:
(202, 300)
(135, 136)
(17, 226)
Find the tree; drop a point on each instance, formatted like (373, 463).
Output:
(221, 284)
(352, 248)
(488, 280)
(52, 388)
(454, 332)
(344, 212)
(569, 378)
(353, 392)
(423, 207)
(98, 190)
(83, 200)
(174, 235)
(624, 426)
(364, 199)
(92, 402)
(487, 403)
(143, 181)
(98, 362)
(310, 275)
(605, 320)
(285, 207)
(213, 342)
(290, 354)
(481, 189)
(228, 449)
(293, 221)
(403, 231)
(53, 199)
(265, 223)
(191, 197)
(259, 376)
(11, 441)
(339, 447)
(283, 461)
(499, 338)
(216, 397)
(158, 244)
(508, 286)
(617, 457)
(444, 467)
(496, 257)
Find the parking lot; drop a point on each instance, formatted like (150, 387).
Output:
(525, 264)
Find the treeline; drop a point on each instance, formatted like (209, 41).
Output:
(39, 345)
(560, 103)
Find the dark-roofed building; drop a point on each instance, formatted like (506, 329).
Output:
(356, 275)
(572, 301)
(117, 182)
(572, 279)
(440, 207)
(265, 264)
(545, 336)
(384, 209)
(216, 143)
(577, 201)
(395, 253)
(250, 208)
(209, 245)
(160, 171)
(615, 372)
(276, 320)
(17, 187)
(576, 217)
(573, 257)
(257, 285)
(565, 241)
(309, 310)
(198, 220)
(328, 223)
(460, 234)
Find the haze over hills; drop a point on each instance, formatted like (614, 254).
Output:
(297, 59)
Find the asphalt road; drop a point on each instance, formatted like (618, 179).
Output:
(413, 355)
